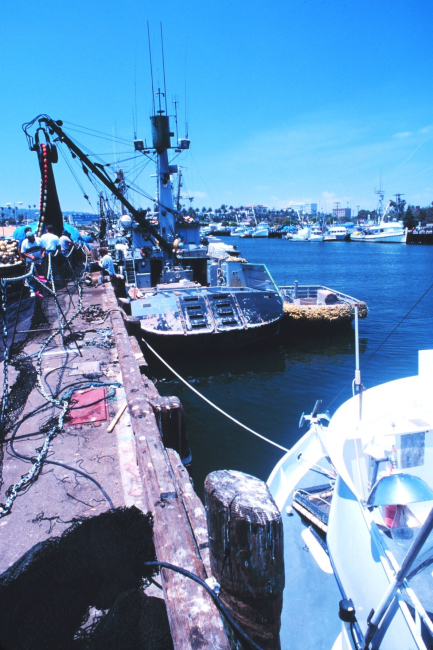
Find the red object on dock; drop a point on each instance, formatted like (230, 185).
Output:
(83, 408)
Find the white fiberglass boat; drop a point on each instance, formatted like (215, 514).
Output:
(302, 235)
(336, 233)
(391, 232)
(316, 235)
(262, 230)
(357, 504)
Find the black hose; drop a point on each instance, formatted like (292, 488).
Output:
(219, 603)
(73, 469)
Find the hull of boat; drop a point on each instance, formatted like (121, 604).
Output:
(210, 342)
(398, 238)
(208, 318)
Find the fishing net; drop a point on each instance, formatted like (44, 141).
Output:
(46, 596)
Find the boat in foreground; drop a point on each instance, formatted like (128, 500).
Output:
(357, 500)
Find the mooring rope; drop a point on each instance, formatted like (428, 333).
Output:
(217, 408)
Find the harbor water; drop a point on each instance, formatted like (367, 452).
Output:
(267, 387)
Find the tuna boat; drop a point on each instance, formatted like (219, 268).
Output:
(180, 296)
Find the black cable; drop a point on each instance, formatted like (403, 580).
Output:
(73, 469)
(101, 399)
(218, 601)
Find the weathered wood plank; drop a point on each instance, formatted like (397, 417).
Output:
(195, 622)
(194, 508)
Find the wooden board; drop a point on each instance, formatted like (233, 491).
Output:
(194, 620)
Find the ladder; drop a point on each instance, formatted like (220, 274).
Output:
(130, 272)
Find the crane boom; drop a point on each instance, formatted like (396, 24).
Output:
(100, 173)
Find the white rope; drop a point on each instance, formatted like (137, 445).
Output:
(259, 435)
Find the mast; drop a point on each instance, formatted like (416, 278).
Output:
(161, 135)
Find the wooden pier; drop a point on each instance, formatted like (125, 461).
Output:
(127, 458)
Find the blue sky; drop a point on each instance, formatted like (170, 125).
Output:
(287, 101)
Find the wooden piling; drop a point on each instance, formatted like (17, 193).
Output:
(246, 551)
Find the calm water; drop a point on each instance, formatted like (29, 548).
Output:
(268, 388)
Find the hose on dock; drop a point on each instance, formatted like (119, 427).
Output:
(219, 603)
(217, 408)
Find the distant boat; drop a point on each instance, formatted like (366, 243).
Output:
(262, 230)
(336, 233)
(316, 235)
(302, 235)
(390, 232)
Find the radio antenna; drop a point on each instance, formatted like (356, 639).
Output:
(163, 69)
(151, 69)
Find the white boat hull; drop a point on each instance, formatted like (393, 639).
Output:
(396, 238)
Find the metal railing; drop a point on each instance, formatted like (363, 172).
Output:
(305, 291)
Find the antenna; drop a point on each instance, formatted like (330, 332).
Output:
(133, 124)
(186, 120)
(175, 102)
(357, 381)
(151, 68)
(163, 69)
(380, 193)
(135, 93)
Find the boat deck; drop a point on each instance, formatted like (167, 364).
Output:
(310, 582)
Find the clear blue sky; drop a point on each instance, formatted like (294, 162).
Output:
(287, 101)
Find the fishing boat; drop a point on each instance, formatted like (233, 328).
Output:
(302, 235)
(316, 234)
(312, 307)
(182, 296)
(386, 232)
(261, 230)
(336, 233)
(356, 497)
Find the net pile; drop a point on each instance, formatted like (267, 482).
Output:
(46, 596)
(340, 312)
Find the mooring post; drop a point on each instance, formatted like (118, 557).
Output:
(246, 551)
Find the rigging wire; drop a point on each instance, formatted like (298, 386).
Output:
(109, 136)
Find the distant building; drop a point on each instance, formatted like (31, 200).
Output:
(342, 213)
(311, 209)
(305, 208)
(82, 219)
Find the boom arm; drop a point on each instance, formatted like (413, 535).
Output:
(101, 174)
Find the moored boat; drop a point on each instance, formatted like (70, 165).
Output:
(181, 297)
(357, 494)
(390, 232)
(336, 233)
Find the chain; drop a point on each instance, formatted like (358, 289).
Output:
(50, 276)
(4, 399)
(26, 480)
(32, 475)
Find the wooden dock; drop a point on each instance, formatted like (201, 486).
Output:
(128, 459)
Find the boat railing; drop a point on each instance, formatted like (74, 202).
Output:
(397, 573)
(309, 291)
